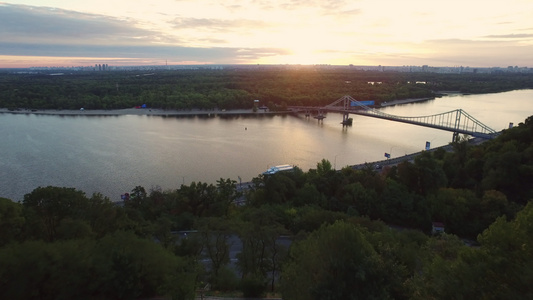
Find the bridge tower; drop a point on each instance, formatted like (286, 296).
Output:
(346, 105)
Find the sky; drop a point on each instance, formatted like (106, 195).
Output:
(66, 33)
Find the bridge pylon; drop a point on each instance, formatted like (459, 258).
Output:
(343, 105)
(346, 120)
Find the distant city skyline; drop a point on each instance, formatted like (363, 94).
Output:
(473, 33)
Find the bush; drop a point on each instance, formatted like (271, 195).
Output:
(252, 287)
(226, 280)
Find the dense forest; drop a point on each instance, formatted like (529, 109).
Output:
(236, 87)
(354, 234)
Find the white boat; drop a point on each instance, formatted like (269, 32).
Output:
(276, 169)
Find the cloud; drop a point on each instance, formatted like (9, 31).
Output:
(22, 23)
(217, 24)
(511, 36)
(479, 53)
(47, 32)
(322, 7)
(161, 52)
(327, 5)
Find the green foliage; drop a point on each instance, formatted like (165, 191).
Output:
(227, 194)
(11, 221)
(278, 188)
(119, 266)
(47, 207)
(311, 218)
(231, 88)
(225, 280)
(137, 267)
(262, 253)
(360, 200)
(308, 195)
(105, 217)
(253, 287)
(335, 262)
(397, 204)
(198, 197)
(499, 269)
(215, 234)
(424, 176)
(401, 252)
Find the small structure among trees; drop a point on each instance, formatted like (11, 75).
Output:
(437, 228)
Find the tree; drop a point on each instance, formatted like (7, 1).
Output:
(323, 167)
(118, 266)
(334, 262)
(11, 221)
(47, 207)
(279, 188)
(310, 218)
(308, 195)
(511, 248)
(105, 217)
(215, 235)
(431, 176)
(362, 200)
(397, 203)
(261, 256)
(499, 269)
(199, 197)
(454, 207)
(137, 198)
(226, 195)
(130, 267)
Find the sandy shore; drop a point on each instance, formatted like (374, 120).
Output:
(131, 111)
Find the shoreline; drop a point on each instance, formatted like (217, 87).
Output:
(138, 112)
(170, 112)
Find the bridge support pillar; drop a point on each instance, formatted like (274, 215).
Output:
(346, 120)
(320, 116)
(455, 137)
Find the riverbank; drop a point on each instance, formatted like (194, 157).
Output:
(137, 111)
(405, 101)
(168, 112)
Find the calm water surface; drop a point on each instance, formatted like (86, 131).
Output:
(112, 155)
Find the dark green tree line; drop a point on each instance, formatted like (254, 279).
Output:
(232, 88)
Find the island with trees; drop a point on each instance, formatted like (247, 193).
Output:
(236, 87)
(315, 234)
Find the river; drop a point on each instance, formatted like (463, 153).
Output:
(113, 154)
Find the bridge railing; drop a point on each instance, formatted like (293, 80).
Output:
(458, 120)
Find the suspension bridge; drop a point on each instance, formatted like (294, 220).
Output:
(457, 121)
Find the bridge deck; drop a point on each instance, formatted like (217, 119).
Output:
(456, 121)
